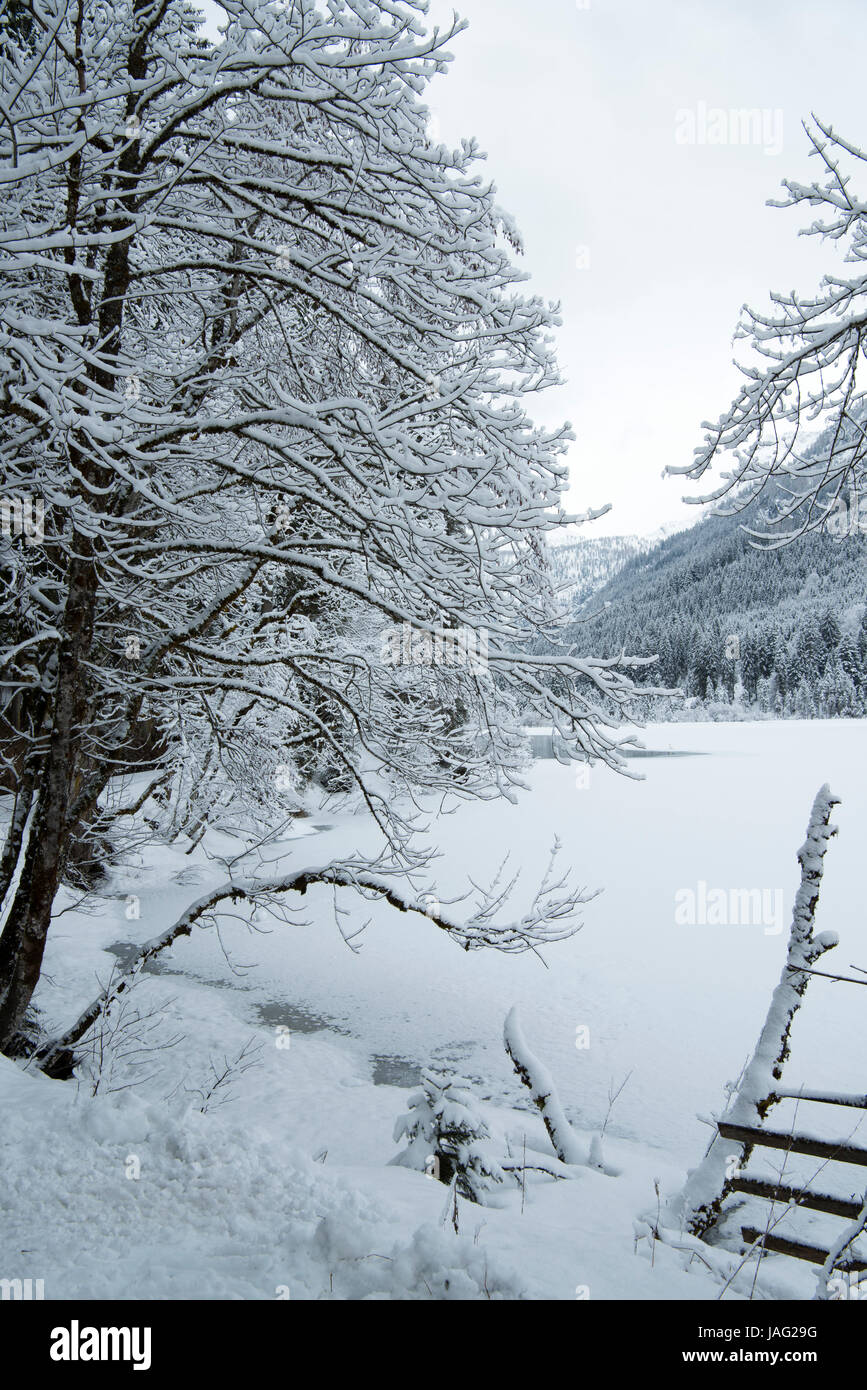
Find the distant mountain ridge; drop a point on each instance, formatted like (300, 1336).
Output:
(586, 564)
(781, 632)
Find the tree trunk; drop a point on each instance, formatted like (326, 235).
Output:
(22, 944)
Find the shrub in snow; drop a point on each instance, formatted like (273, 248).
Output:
(436, 1265)
(446, 1137)
(433, 1264)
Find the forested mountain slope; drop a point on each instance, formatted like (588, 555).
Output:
(584, 565)
(777, 630)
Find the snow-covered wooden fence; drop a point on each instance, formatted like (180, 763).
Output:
(742, 1127)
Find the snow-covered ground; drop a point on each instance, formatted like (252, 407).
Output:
(287, 1186)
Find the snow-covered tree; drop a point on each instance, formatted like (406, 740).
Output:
(836, 695)
(803, 702)
(808, 661)
(798, 419)
(850, 659)
(750, 668)
(264, 363)
(448, 1139)
(721, 693)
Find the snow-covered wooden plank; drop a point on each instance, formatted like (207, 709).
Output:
(794, 1143)
(823, 1098)
(813, 1201)
(799, 1249)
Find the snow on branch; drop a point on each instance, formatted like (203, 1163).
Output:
(540, 1084)
(260, 425)
(553, 916)
(798, 421)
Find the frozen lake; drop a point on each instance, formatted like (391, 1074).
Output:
(677, 1006)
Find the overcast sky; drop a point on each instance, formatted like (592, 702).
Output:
(650, 244)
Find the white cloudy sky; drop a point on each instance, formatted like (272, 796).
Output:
(577, 110)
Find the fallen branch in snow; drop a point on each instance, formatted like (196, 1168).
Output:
(222, 1076)
(558, 1171)
(540, 1084)
(552, 917)
(134, 808)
